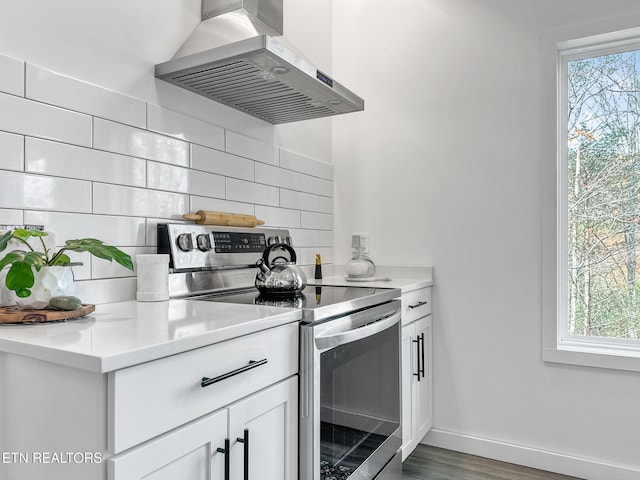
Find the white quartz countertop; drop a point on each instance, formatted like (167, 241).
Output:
(119, 335)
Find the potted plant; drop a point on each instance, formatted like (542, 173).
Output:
(36, 274)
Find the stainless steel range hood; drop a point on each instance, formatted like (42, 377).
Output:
(232, 58)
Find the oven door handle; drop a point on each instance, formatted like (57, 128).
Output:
(324, 342)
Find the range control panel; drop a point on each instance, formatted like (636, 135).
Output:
(238, 242)
(205, 247)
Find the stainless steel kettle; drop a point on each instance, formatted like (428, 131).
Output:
(279, 278)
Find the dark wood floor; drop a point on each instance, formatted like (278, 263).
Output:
(431, 463)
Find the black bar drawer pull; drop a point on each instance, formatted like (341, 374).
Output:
(419, 304)
(421, 370)
(252, 364)
(245, 440)
(417, 341)
(226, 452)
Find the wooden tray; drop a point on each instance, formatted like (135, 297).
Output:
(16, 315)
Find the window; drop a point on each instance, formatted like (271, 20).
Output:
(597, 204)
(602, 159)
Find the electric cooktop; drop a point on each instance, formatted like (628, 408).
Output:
(319, 302)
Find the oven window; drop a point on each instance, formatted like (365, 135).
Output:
(359, 402)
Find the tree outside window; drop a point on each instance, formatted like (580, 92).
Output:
(603, 195)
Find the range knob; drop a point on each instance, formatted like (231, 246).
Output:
(275, 239)
(185, 242)
(204, 242)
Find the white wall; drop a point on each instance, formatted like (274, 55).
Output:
(444, 168)
(91, 144)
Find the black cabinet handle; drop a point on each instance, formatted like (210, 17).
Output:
(245, 440)
(252, 364)
(226, 452)
(419, 304)
(421, 370)
(417, 342)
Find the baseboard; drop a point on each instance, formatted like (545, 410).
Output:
(530, 457)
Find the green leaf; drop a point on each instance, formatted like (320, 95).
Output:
(20, 278)
(11, 257)
(4, 239)
(24, 234)
(99, 249)
(121, 257)
(35, 259)
(62, 260)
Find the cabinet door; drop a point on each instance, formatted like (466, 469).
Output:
(189, 452)
(409, 367)
(424, 388)
(264, 434)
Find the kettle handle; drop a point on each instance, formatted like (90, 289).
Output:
(270, 248)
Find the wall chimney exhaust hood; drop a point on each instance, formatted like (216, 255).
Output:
(232, 58)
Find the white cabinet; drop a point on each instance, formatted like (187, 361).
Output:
(187, 452)
(160, 420)
(269, 419)
(258, 433)
(417, 372)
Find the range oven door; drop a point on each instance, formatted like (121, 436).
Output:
(350, 394)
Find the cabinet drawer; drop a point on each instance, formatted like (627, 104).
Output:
(149, 399)
(415, 304)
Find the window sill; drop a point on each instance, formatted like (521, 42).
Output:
(593, 356)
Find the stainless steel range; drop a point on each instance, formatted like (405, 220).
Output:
(349, 348)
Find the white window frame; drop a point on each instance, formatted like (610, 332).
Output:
(558, 346)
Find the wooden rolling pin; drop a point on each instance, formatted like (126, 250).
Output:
(203, 217)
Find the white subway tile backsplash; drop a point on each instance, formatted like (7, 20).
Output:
(135, 142)
(11, 76)
(278, 177)
(215, 161)
(251, 148)
(18, 190)
(278, 217)
(281, 177)
(175, 124)
(302, 164)
(88, 162)
(242, 191)
(11, 217)
(218, 205)
(49, 87)
(11, 151)
(63, 160)
(177, 179)
(314, 220)
(305, 201)
(106, 290)
(312, 238)
(119, 231)
(36, 119)
(137, 202)
(316, 185)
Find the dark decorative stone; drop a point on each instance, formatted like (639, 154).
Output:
(65, 302)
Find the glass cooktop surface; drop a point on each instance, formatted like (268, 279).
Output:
(322, 301)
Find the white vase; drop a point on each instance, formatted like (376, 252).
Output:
(49, 282)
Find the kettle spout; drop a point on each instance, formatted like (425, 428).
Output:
(263, 266)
